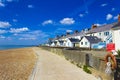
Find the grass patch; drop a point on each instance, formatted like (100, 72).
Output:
(118, 53)
(78, 65)
(72, 62)
(85, 68)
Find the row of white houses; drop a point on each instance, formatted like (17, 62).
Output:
(96, 37)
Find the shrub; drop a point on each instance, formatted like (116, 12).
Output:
(85, 68)
(118, 53)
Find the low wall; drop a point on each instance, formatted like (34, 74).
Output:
(79, 58)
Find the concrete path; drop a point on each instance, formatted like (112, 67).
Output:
(53, 67)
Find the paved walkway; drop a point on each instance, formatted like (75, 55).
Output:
(52, 67)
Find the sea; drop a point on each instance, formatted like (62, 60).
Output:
(5, 47)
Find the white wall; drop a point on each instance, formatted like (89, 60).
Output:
(53, 44)
(76, 37)
(101, 35)
(68, 43)
(116, 39)
(84, 40)
(64, 43)
(58, 43)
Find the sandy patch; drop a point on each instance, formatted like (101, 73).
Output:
(16, 64)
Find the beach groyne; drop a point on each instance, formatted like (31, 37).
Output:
(80, 58)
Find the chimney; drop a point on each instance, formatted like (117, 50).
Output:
(67, 33)
(86, 30)
(62, 35)
(94, 26)
(76, 31)
(119, 18)
(57, 36)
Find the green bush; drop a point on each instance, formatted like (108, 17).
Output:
(85, 68)
(118, 53)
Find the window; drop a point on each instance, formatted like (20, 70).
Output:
(106, 33)
(85, 43)
(100, 34)
(68, 43)
(81, 43)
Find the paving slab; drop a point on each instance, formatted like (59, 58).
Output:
(53, 67)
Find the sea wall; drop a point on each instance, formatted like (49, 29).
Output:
(79, 58)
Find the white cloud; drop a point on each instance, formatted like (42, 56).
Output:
(115, 17)
(4, 24)
(86, 12)
(27, 38)
(109, 16)
(30, 6)
(3, 31)
(2, 37)
(69, 31)
(47, 22)
(38, 33)
(33, 35)
(2, 4)
(15, 20)
(9, 38)
(81, 15)
(103, 5)
(3, 1)
(60, 30)
(67, 21)
(9, 0)
(18, 30)
(15, 34)
(5, 38)
(113, 9)
(97, 24)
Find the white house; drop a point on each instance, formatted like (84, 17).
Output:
(116, 39)
(87, 41)
(78, 35)
(103, 32)
(54, 43)
(60, 43)
(116, 36)
(72, 42)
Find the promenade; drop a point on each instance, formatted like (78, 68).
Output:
(50, 66)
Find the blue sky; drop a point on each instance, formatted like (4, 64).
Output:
(29, 22)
